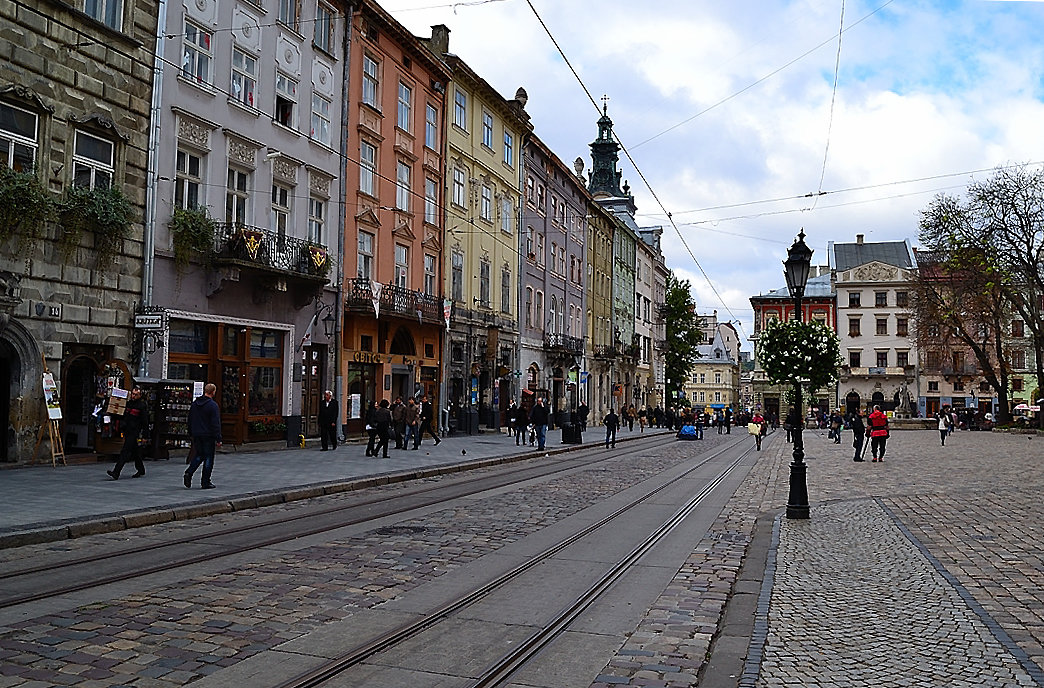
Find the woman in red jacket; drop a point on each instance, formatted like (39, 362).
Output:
(877, 428)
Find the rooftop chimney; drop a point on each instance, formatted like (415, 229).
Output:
(859, 238)
(440, 39)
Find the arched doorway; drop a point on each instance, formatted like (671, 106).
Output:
(403, 381)
(7, 361)
(852, 403)
(22, 411)
(877, 399)
(80, 396)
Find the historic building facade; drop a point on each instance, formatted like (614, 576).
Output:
(600, 346)
(713, 381)
(395, 314)
(484, 142)
(76, 118)
(250, 133)
(553, 280)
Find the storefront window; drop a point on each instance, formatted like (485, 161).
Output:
(230, 341)
(188, 371)
(264, 391)
(266, 344)
(188, 337)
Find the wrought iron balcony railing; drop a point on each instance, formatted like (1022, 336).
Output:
(563, 343)
(394, 299)
(606, 351)
(266, 250)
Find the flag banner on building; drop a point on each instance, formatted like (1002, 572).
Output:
(375, 290)
(447, 308)
(307, 338)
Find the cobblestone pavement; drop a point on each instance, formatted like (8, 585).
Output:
(171, 635)
(922, 570)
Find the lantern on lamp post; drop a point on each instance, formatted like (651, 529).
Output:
(796, 268)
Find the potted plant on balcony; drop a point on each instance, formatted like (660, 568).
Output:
(192, 233)
(25, 205)
(105, 212)
(315, 260)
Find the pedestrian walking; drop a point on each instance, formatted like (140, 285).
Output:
(411, 418)
(520, 421)
(756, 427)
(582, 412)
(398, 413)
(835, 426)
(642, 416)
(538, 417)
(612, 422)
(427, 414)
(371, 429)
(793, 423)
(855, 421)
(328, 421)
(728, 421)
(878, 428)
(204, 423)
(382, 421)
(945, 423)
(135, 421)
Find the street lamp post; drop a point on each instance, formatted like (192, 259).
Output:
(796, 268)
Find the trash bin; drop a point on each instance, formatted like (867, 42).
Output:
(571, 434)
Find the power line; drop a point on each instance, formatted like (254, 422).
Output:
(833, 98)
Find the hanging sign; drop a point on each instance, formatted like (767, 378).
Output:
(447, 308)
(375, 291)
(54, 409)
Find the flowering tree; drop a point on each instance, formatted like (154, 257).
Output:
(791, 352)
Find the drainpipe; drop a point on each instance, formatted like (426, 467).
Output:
(342, 189)
(151, 197)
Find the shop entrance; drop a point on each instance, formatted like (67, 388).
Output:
(79, 397)
(313, 360)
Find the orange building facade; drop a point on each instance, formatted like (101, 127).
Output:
(394, 311)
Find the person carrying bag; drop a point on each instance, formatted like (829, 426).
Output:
(877, 428)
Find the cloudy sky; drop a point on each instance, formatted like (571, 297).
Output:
(730, 112)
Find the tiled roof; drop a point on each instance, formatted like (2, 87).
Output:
(847, 256)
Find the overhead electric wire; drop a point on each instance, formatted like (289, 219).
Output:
(833, 99)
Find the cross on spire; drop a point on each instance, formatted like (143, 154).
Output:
(605, 104)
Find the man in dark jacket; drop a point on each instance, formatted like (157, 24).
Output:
(204, 423)
(521, 422)
(382, 421)
(328, 421)
(427, 414)
(612, 421)
(398, 414)
(538, 417)
(135, 421)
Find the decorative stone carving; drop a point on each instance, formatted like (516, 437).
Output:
(285, 169)
(875, 272)
(204, 11)
(319, 184)
(246, 30)
(193, 133)
(242, 152)
(289, 55)
(101, 121)
(322, 78)
(9, 298)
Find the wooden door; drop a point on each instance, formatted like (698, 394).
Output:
(312, 375)
(233, 402)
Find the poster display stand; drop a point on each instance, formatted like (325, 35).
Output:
(52, 428)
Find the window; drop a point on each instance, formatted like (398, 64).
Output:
(266, 344)
(554, 208)
(1016, 384)
(324, 15)
(431, 201)
(92, 162)
(506, 219)
(195, 62)
(529, 190)
(554, 252)
(484, 283)
(457, 276)
(237, 196)
(402, 186)
(958, 385)
(458, 187)
(286, 100)
(487, 130)
(540, 249)
(932, 360)
(280, 209)
(530, 243)
(18, 129)
(367, 168)
(902, 358)
(316, 215)
(431, 127)
(370, 82)
(505, 291)
(853, 358)
(853, 327)
(320, 119)
(902, 299)
(402, 266)
(717, 376)
(933, 385)
(405, 121)
(853, 299)
(429, 274)
(529, 306)
(882, 326)
(486, 208)
(108, 12)
(882, 359)
(188, 180)
(244, 77)
(509, 149)
(553, 314)
(538, 309)
(460, 109)
(288, 12)
(1018, 359)
(881, 299)
(540, 198)
(902, 327)
(1017, 328)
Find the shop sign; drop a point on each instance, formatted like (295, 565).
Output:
(148, 322)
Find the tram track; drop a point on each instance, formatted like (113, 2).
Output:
(503, 668)
(39, 582)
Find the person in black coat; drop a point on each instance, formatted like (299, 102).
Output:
(612, 422)
(521, 421)
(371, 429)
(538, 417)
(134, 422)
(328, 421)
(382, 420)
(204, 423)
(855, 422)
(427, 415)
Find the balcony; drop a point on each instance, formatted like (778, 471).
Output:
(280, 256)
(848, 372)
(563, 344)
(606, 351)
(394, 300)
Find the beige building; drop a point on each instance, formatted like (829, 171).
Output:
(713, 382)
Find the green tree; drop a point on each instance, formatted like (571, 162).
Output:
(683, 333)
(806, 353)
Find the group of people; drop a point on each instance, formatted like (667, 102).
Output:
(406, 422)
(875, 430)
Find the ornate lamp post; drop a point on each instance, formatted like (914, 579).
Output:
(796, 268)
